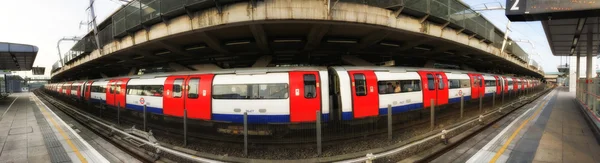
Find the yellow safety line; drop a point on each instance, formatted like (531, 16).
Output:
(64, 135)
(514, 134)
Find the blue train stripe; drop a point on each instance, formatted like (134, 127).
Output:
(141, 108)
(401, 108)
(457, 99)
(257, 119)
(92, 100)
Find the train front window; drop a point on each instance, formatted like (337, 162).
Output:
(193, 84)
(177, 88)
(360, 84)
(310, 86)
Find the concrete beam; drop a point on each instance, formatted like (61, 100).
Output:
(205, 67)
(316, 34)
(355, 61)
(179, 67)
(411, 44)
(212, 42)
(261, 37)
(132, 71)
(429, 64)
(263, 61)
(371, 39)
(438, 50)
(175, 48)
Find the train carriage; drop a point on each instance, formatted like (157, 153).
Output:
(459, 84)
(291, 95)
(401, 90)
(490, 85)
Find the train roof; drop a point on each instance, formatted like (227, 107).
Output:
(262, 70)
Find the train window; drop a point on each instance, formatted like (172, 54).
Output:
(441, 82)
(490, 83)
(398, 86)
(465, 83)
(251, 91)
(118, 90)
(177, 88)
(193, 84)
(430, 82)
(310, 86)
(510, 82)
(453, 83)
(360, 84)
(481, 81)
(112, 88)
(153, 90)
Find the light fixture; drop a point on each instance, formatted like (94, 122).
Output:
(422, 48)
(165, 52)
(287, 40)
(448, 52)
(195, 47)
(575, 40)
(580, 24)
(388, 44)
(139, 57)
(572, 50)
(237, 43)
(342, 41)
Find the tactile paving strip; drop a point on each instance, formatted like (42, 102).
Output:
(55, 150)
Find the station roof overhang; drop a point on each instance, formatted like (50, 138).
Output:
(17, 57)
(567, 37)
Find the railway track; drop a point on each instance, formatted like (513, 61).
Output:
(143, 149)
(331, 139)
(109, 117)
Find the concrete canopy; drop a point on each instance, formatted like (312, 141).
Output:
(17, 57)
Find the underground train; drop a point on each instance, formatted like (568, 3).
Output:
(291, 95)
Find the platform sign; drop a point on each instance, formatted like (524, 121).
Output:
(5, 72)
(531, 10)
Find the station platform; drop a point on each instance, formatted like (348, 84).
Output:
(551, 129)
(31, 132)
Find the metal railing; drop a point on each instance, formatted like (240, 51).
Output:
(143, 13)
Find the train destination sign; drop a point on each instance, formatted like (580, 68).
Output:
(532, 10)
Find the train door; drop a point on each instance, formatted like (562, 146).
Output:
(505, 86)
(79, 92)
(121, 92)
(198, 96)
(110, 92)
(173, 96)
(88, 90)
(499, 83)
(305, 95)
(68, 90)
(365, 98)
(435, 86)
(476, 85)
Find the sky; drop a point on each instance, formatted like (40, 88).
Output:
(43, 22)
(532, 31)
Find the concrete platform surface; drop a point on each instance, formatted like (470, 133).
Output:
(31, 132)
(551, 129)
